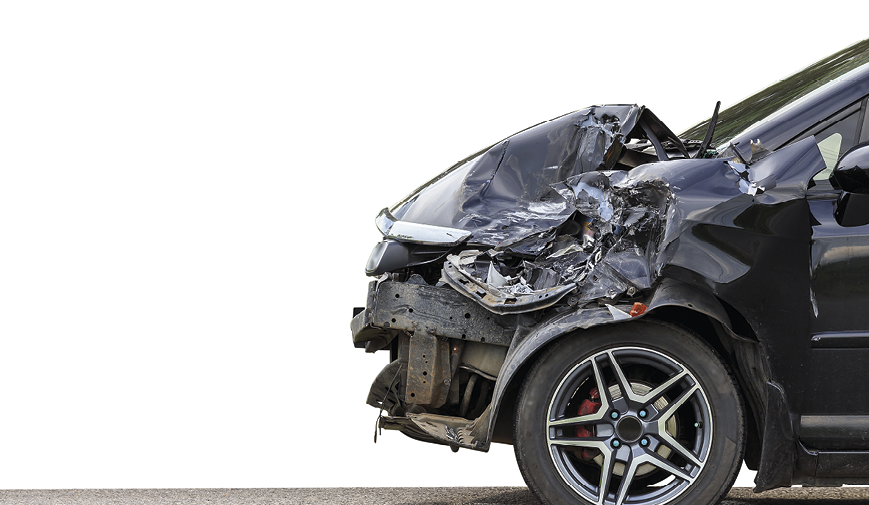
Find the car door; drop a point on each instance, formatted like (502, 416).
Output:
(835, 408)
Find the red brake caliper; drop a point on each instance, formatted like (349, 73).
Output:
(588, 406)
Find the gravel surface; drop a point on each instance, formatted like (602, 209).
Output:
(381, 496)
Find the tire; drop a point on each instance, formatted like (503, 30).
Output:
(679, 435)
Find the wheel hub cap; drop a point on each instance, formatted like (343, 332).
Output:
(629, 429)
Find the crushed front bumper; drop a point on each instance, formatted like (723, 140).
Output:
(416, 307)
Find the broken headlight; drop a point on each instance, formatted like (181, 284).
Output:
(391, 255)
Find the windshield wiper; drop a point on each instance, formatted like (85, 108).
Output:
(709, 131)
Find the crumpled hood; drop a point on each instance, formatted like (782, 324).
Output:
(504, 192)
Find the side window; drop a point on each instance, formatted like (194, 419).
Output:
(834, 140)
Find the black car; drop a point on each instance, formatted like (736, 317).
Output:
(636, 311)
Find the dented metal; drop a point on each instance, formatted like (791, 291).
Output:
(604, 216)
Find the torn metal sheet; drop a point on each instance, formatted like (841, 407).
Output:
(614, 234)
(495, 292)
(455, 431)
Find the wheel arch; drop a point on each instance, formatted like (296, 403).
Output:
(675, 303)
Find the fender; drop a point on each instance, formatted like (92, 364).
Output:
(669, 293)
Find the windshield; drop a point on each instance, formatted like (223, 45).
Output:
(763, 104)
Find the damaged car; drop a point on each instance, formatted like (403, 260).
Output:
(638, 312)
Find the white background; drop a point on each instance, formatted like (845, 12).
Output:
(187, 195)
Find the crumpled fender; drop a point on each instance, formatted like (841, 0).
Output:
(668, 293)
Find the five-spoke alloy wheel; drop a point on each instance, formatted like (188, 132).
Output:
(641, 413)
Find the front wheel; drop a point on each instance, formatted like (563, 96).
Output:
(639, 413)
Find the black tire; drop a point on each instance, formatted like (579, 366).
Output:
(681, 393)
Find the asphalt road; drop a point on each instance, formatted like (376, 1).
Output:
(381, 496)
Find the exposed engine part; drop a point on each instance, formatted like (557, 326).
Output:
(457, 348)
(479, 372)
(486, 359)
(466, 399)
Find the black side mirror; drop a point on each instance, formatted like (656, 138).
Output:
(852, 171)
(851, 174)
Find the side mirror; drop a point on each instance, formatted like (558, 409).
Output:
(852, 171)
(851, 174)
